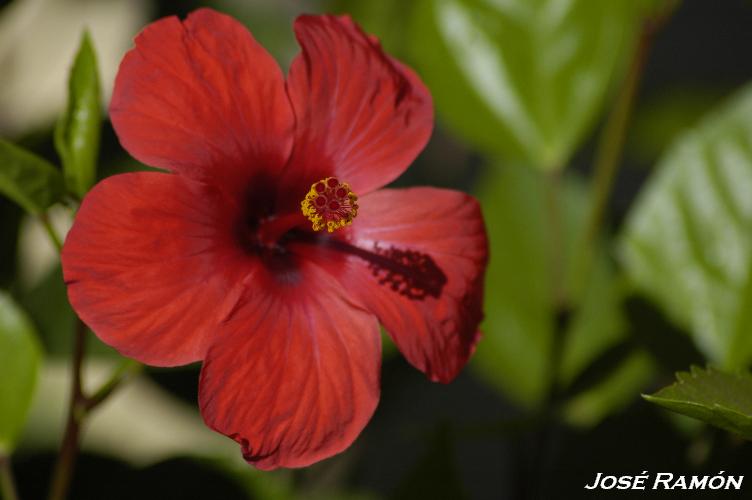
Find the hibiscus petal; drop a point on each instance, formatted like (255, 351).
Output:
(293, 378)
(141, 265)
(418, 262)
(203, 98)
(361, 116)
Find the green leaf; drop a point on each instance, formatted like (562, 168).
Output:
(515, 352)
(688, 241)
(77, 131)
(29, 180)
(20, 358)
(720, 399)
(532, 74)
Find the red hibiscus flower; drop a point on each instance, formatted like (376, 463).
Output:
(269, 252)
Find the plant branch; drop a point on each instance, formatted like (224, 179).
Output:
(556, 248)
(560, 295)
(79, 409)
(611, 143)
(126, 370)
(80, 405)
(69, 448)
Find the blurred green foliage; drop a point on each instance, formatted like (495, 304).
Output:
(533, 75)
(29, 180)
(519, 299)
(688, 241)
(20, 358)
(521, 303)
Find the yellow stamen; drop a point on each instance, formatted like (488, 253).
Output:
(330, 204)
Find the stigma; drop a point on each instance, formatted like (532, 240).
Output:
(330, 205)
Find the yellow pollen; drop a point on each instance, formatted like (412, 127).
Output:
(330, 204)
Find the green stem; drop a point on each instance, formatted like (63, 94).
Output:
(560, 296)
(51, 232)
(556, 248)
(611, 143)
(7, 483)
(127, 369)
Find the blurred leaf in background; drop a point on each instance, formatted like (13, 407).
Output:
(515, 350)
(20, 358)
(523, 79)
(29, 180)
(688, 241)
(77, 131)
(515, 354)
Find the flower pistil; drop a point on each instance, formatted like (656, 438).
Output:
(330, 204)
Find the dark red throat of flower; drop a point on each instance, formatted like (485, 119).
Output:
(330, 204)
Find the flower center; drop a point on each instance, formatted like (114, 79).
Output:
(330, 204)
